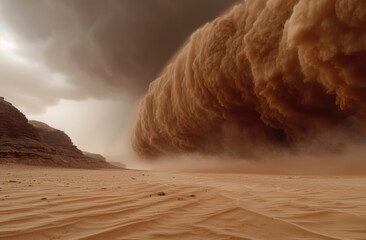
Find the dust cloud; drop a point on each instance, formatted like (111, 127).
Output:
(270, 77)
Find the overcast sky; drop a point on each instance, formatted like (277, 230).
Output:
(81, 65)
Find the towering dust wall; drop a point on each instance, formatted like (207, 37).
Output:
(268, 73)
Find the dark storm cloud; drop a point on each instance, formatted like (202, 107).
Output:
(105, 47)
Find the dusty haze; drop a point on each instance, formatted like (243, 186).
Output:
(269, 74)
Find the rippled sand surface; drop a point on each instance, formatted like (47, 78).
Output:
(50, 203)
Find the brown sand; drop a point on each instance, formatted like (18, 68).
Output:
(50, 203)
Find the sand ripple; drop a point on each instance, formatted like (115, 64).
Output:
(113, 204)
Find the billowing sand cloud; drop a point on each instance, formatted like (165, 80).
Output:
(268, 73)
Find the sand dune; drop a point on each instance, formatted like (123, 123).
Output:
(50, 203)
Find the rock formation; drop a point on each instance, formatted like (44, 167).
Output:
(54, 137)
(13, 124)
(118, 164)
(95, 156)
(36, 143)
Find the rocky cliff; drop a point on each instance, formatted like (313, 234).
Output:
(36, 143)
(54, 137)
(13, 123)
(95, 156)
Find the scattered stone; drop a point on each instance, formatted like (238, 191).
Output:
(161, 193)
(44, 198)
(192, 195)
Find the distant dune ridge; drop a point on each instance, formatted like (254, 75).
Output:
(36, 143)
(268, 73)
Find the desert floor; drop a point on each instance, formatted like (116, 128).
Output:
(49, 203)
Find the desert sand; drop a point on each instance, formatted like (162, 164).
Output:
(57, 203)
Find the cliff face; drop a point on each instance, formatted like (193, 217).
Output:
(13, 123)
(95, 156)
(36, 143)
(54, 137)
